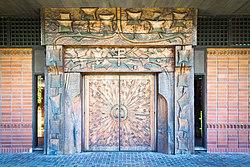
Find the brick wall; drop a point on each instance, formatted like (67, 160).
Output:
(228, 91)
(15, 100)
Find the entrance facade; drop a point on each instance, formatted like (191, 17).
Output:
(119, 112)
(119, 79)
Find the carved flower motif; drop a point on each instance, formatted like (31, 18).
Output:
(134, 17)
(179, 16)
(156, 26)
(89, 13)
(107, 21)
(179, 20)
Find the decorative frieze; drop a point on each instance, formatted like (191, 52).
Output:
(119, 59)
(160, 26)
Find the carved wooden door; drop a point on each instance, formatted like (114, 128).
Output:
(119, 112)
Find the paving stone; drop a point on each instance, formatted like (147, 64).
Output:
(125, 159)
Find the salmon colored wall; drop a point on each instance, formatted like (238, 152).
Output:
(15, 100)
(228, 91)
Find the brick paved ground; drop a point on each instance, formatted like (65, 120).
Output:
(140, 159)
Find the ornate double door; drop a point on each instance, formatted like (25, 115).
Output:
(119, 112)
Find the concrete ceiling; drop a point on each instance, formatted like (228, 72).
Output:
(205, 7)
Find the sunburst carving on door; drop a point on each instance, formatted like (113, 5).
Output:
(136, 94)
(119, 112)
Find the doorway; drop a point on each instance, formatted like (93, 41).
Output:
(199, 111)
(39, 114)
(119, 112)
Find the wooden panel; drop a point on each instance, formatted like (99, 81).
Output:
(162, 125)
(114, 101)
(119, 26)
(166, 89)
(137, 112)
(102, 125)
(184, 101)
(54, 102)
(86, 59)
(73, 113)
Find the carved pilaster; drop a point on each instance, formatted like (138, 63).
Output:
(55, 98)
(184, 91)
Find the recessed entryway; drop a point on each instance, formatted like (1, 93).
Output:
(199, 111)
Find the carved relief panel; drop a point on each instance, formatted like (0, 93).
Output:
(151, 40)
(119, 112)
(55, 97)
(115, 59)
(126, 26)
(184, 100)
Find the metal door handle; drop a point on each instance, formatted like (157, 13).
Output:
(123, 113)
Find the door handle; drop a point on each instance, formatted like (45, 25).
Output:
(123, 113)
(115, 113)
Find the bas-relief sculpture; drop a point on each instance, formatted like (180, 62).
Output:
(184, 100)
(130, 129)
(55, 99)
(130, 40)
(119, 26)
(119, 59)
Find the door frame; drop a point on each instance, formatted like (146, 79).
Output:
(155, 107)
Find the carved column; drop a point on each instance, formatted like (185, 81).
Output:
(184, 92)
(54, 100)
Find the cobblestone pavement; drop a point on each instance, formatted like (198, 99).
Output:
(140, 159)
